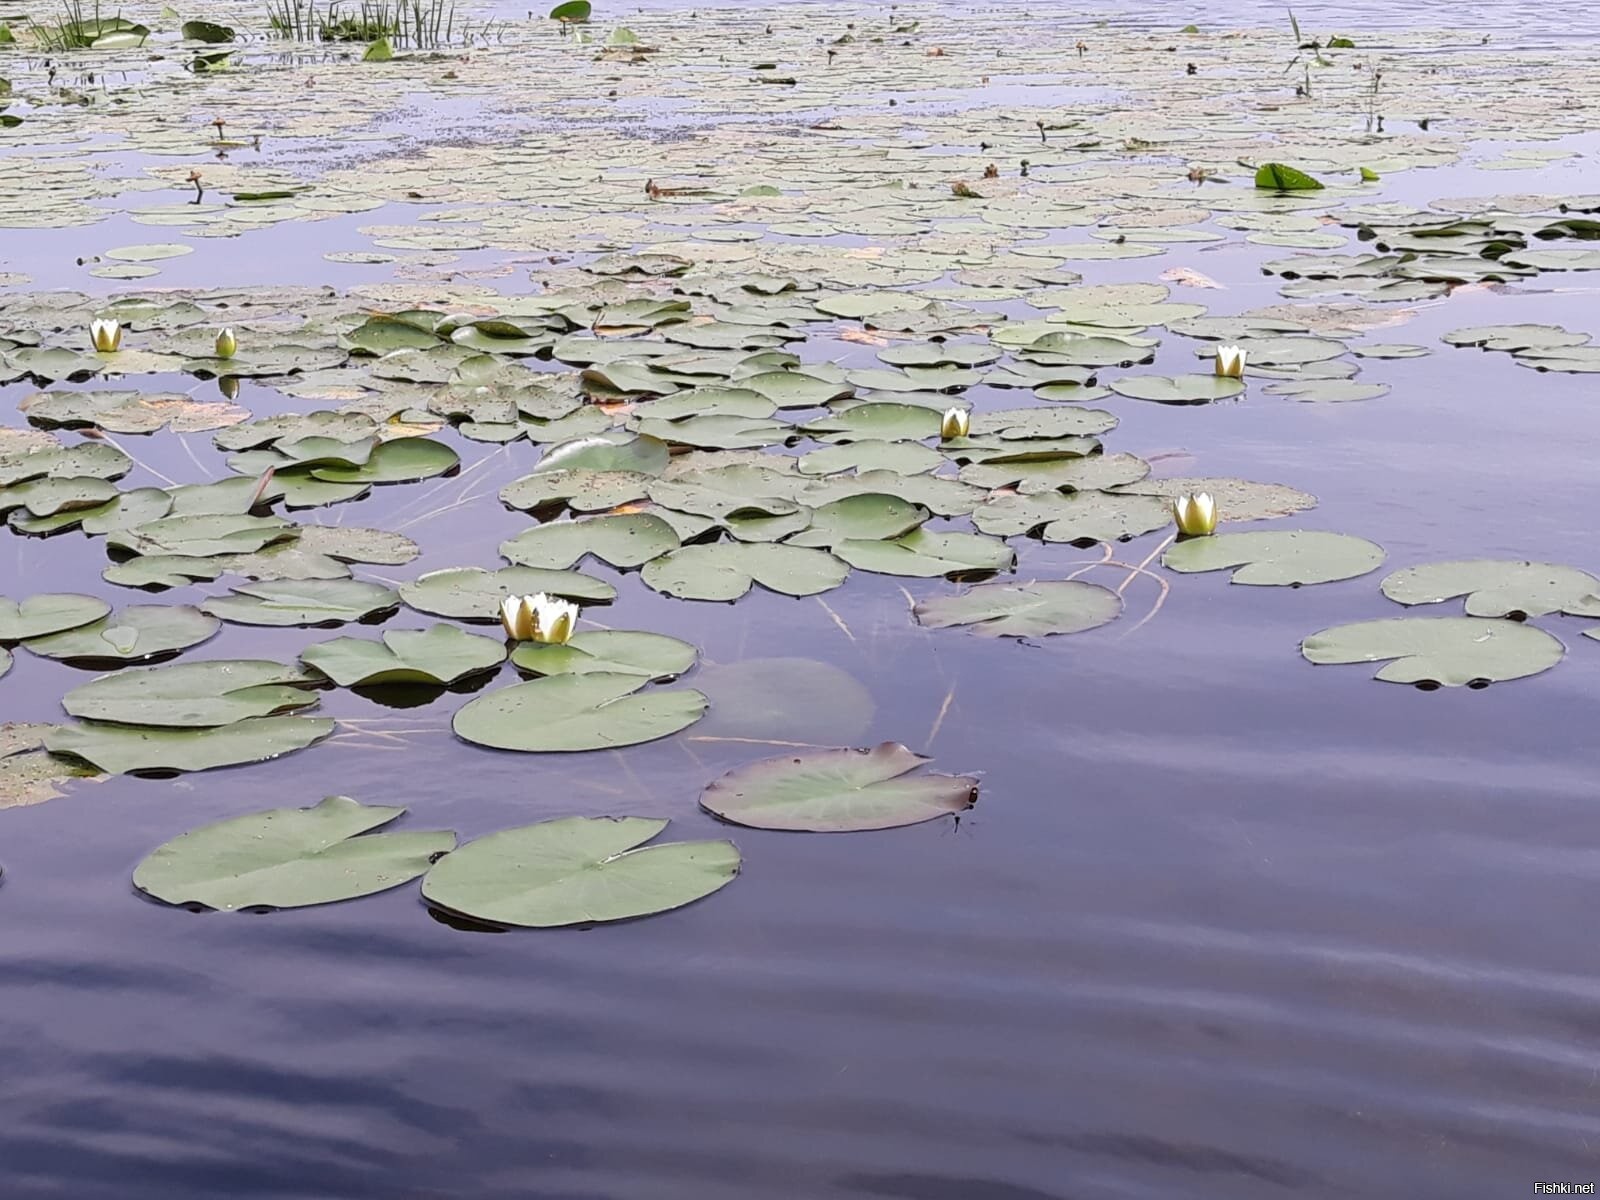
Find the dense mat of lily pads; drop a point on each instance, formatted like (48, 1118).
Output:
(674, 391)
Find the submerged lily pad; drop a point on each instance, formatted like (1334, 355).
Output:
(48, 612)
(577, 870)
(289, 858)
(651, 656)
(1286, 559)
(123, 748)
(1499, 588)
(134, 634)
(596, 711)
(1033, 609)
(193, 694)
(302, 602)
(438, 656)
(838, 791)
(1447, 651)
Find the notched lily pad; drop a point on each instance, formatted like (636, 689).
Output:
(597, 711)
(1499, 588)
(1283, 559)
(838, 791)
(1439, 651)
(1033, 609)
(577, 871)
(432, 657)
(289, 858)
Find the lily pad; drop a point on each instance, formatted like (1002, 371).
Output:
(302, 602)
(727, 570)
(120, 749)
(1443, 651)
(1283, 559)
(1033, 609)
(48, 612)
(1499, 588)
(289, 858)
(1236, 499)
(577, 871)
(795, 699)
(473, 594)
(137, 633)
(623, 540)
(193, 695)
(438, 656)
(838, 791)
(926, 554)
(650, 656)
(1177, 389)
(1074, 516)
(597, 711)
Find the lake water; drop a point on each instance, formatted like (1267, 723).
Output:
(1221, 925)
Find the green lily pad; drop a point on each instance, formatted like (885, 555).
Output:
(1033, 609)
(1444, 651)
(869, 515)
(1279, 177)
(202, 535)
(926, 554)
(650, 656)
(1236, 499)
(289, 858)
(582, 490)
(611, 452)
(1177, 389)
(838, 791)
(438, 656)
(473, 594)
(623, 540)
(1283, 559)
(1074, 516)
(48, 612)
(404, 460)
(576, 871)
(597, 711)
(120, 749)
(193, 695)
(727, 570)
(134, 634)
(302, 602)
(1499, 588)
(90, 460)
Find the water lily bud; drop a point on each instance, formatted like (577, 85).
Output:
(1230, 362)
(106, 335)
(955, 424)
(227, 344)
(1196, 515)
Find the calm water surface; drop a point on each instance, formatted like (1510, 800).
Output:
(1221, 925)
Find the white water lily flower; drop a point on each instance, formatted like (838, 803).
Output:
(1230, 362)
(955, 424)
(538, 618)
(106, 335)
(227, 344)
(1196, 515)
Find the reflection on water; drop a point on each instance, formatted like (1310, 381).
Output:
(1222, 924)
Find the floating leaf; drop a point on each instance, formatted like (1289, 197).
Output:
(1283, 178)
(1073, 517)
(134, 634)
(623, 540)
(123, 748)
(596, 711)
(838, 791)
(302, 602)
(650, 656)
(1292, 559)
(289, 858)
(194, 694)
(727, 570)
(577, 870)
(1177, 389)
(1033, 609)
(473, 594)
(925, 554)
(49, 612)
(1499, 588)
(404, 460)
(438, 656)
(1237, 499)
(1447, 651)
